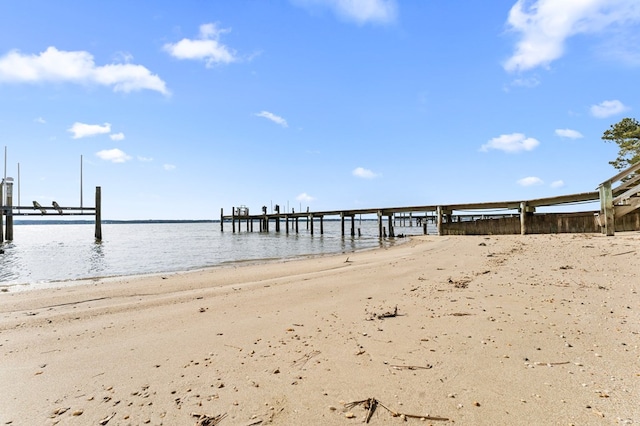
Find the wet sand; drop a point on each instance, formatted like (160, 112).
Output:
(517, 330)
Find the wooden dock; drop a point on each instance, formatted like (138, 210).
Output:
(615, 202)
(9, 211)
(387, 216)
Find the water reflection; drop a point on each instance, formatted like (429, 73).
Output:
(9, 263)
(97, 262)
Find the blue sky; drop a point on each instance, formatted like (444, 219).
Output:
(179, 109)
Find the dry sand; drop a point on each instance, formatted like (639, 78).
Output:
(508, 330)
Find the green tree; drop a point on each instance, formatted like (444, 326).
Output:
(626, 134)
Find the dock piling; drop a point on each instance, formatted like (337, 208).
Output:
(9, 211)
(98, 234)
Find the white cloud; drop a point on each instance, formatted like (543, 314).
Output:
(55, 65)
(359, 11)
(304, 197)
(270, 116)
(206, 47)
(363, 173)
(113, 155)
(117, 136)
(82, 130)
(513, 142)
(569, 133)
(530, 181)
(557, 184)
(40, 120)
(608, 108)
(545, 25)
(145, 159)
(168, 167)
(524, 82)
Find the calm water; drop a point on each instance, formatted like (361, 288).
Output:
(42, 255)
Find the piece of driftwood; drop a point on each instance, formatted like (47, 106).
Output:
(106, 419)
(412, 367)
(388, 314)
(370, 404)
(551, 363)
(205, 420)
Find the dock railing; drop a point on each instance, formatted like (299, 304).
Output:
(618, 201)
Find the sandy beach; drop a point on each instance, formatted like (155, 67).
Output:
(496, 330)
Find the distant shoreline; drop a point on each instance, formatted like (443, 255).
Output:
(119, 222)
(108, 222)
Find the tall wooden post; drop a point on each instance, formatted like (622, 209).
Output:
(310, 223)
(9, 211)
(342, 223)
(222, 220)
(233, 219)
(98, 234)
(353, 225)
(321, 225)
(380, 230)
(2, 213)
(439, 213)
(606, 209)
(523, 218)
(391, 232)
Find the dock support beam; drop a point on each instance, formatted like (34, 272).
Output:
(606, 209)
(9, 212)
(98, 213)
(523, 218)
(233, 220)
(353, 226)
(380, 230)
(2, 213)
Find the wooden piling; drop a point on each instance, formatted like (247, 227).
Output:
(233, 220)
(607, 209)
(98, 212)
(222, 220)
(523, 218)
(2, 213)
(310, 222)
(353, 224)
(9, 213)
